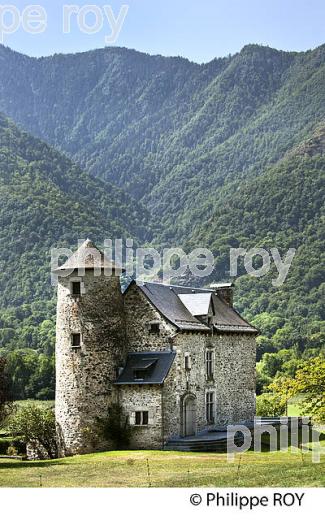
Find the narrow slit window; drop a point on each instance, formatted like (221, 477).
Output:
(209, 363)
(76, 288)
(76, 340)
(154, 328)
(210, 407)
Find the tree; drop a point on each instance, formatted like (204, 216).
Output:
(310, 381)
(277, 362)
(6, 405)
(269, 405)
(35, 425)
(32, 374)
(262, 381)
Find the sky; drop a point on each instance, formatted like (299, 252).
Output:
(198, 30)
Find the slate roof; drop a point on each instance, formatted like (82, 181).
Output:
(228, 319)
(167, 299)
(88, 256)
(155, 367)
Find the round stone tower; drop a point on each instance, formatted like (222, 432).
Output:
(90, 346)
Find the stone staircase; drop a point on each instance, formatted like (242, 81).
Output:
(207, 441)
(215, 440)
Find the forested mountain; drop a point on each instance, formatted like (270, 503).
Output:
(46, 201)
(224, 154)
(283, 208)
(169, 131)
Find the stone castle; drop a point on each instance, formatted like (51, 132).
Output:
(178, 360)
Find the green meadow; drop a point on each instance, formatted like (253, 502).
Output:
(167, 469)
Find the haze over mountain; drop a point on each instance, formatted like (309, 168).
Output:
(225, 154)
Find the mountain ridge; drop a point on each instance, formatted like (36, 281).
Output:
(218, 155)
(144, 122)
(46, 201)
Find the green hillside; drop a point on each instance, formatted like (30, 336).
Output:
(45, 202)
(170, 132)
(224, 154)
(283, 208)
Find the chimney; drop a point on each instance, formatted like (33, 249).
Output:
(224, 291)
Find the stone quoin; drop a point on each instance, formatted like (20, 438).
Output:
(178, 360)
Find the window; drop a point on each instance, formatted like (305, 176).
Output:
(154, 328)
(76, 288)
(140, 374)
(76, 340)
(210, 407)
(187, 360)
(209, 364)
(142, 418)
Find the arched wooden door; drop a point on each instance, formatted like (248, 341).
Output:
(189, 415)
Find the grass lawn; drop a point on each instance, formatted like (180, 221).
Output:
(166, 469)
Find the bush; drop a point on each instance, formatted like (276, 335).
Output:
(36, 426)
(4, 445)
(116, 427)
(8, 442)
(269, 405)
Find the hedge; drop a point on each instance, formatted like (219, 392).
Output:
(16, 442)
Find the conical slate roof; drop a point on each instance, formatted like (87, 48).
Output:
(88, 256)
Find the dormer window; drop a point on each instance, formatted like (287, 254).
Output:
(76, 289)
(139, 375)
(143, 369)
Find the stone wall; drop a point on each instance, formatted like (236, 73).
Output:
(138, 314)
(143, 398)
(235, 379)
(181, 383)
(85, 375)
